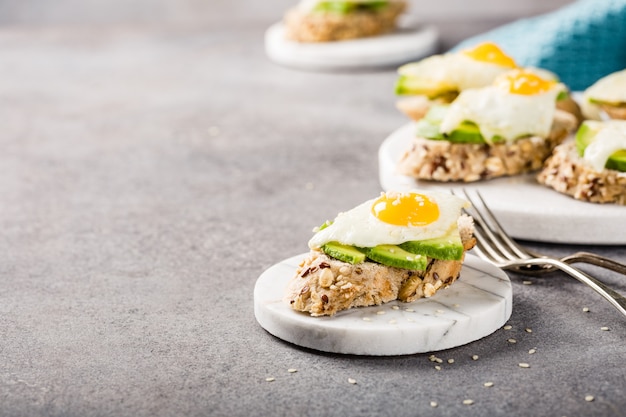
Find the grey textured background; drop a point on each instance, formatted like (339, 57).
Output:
(153, 163)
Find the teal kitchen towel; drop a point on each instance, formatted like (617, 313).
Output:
(580, 42)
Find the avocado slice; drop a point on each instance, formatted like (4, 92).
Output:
(395, 256)
(448, 247)
(410, 85)
(344, 253)
(345, 7)
(429, 127)
(586, 135)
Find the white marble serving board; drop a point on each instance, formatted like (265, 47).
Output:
(526, 209)
(476, 305)
(409, 42)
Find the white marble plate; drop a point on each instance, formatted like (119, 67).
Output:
(476, 305)
(409, 42)
(525, 208)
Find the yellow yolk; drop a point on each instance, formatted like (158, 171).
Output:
(490, 52)
(523, 82)
(406, 209)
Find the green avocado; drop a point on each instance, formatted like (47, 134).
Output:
(586, 135)
(344, 253)
(392, 255)
(345, 7)
(408, 85)
(428, 127)
(448, 247)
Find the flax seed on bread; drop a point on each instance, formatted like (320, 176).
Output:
(322, 286)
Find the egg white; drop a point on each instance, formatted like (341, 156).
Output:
(359, 227)
(609, 89)
(453, 71)
(500, 113)
(611, 138)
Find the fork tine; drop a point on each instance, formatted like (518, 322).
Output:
(495, 240)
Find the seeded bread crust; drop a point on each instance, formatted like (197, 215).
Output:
(327, 27)
(323, 285)
(440, 160)
(566, 172)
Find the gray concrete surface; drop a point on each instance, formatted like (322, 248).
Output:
(150, 173)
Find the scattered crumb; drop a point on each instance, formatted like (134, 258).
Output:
(456, 305)
(474, 357)
(606, 329)
(380, 313)
(589, 398)
(508, 327)
(437, 367)
(468, 402)
(270, 379)
(512, 341)
(524, 365)
(586, 309)
(529, 330)
(450, 360)
(352, 381)
(292, 370)
(366, 319)
(530, 352)
(395, 308)
(410, 310)
(433, 404)
(393, 321)
(488, 384)
(439, 311)
(527, 282)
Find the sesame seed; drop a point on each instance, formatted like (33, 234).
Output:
(530, 352)
(589, 398)
(270, 379)
(432, 358)
(433, 404)
(450, 360)
(292, 370)
(512, 341)
(395, 308)
(529, 330)
(586, 309)
(438, 360)
(488, 384)
(508, 327)
(527, 282)
(524, 365)
(606, 329)
(474, 357)
(468, 402)
(437, 367)
(352, 381)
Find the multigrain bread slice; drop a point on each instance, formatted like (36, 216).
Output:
(322, 286)
(441, 160)
(306, 26)
(566, 172)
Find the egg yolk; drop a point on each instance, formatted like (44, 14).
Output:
(523, 82)
(406, 209)
(491, 53)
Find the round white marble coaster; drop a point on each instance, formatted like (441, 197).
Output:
(409, 42)
(476, 305)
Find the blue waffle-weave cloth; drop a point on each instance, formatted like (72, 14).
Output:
(580, 42)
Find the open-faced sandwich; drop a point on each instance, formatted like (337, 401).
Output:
(399, 246)
(328, 20)
(507, 128)
(607, 95)
(593, 167)
(439, 79)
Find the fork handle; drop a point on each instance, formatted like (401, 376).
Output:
(597, 260)
(616, 299)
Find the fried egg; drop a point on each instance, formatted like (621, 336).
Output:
(609, 90)
(518, 103)
(611, 137)
(470, 68)
(394, 218)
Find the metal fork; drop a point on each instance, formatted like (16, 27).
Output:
(496, 247)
